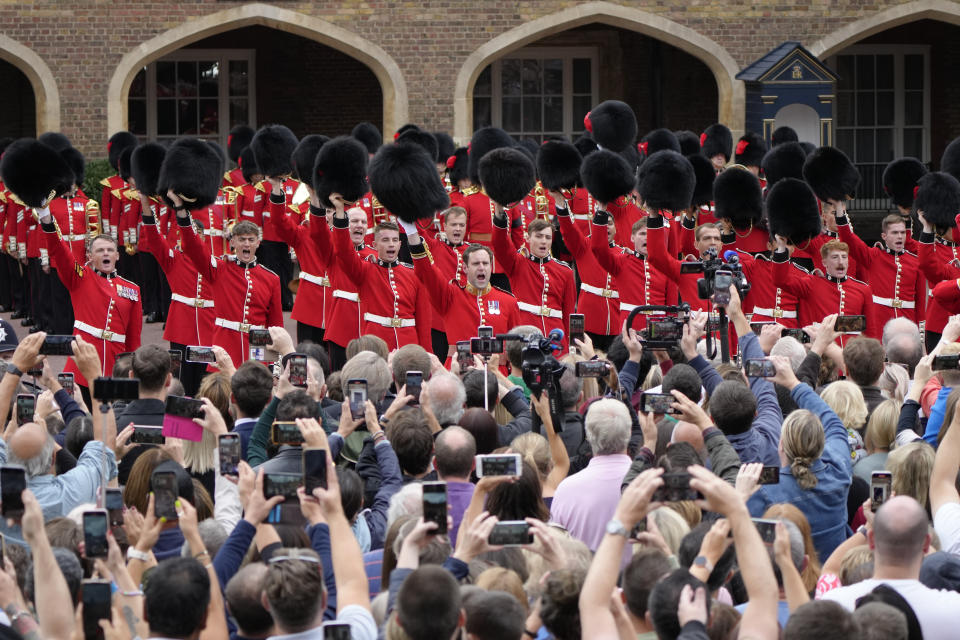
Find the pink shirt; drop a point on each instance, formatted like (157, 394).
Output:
(585, 502)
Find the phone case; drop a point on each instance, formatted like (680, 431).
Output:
(185, 428)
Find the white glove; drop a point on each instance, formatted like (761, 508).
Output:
(409, 228)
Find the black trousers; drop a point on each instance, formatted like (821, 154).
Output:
(338, 356)
(601, 341)
(128, 266)
(276, 257)
(13, 272)
(438, 340)
(154, 291)
(58, 308)
(930, 339)
(311, 333)
(38, 284)
(191, 373)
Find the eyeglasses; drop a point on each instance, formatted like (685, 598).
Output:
(305, 556)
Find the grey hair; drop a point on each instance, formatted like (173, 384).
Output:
(790, 348)
(406, 502)
(39, 464)
(881, 621)
(608, 427)
(213, 536)
(372, 368)
(452, 397)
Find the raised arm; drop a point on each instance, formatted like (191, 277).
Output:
(943, 488)
(859, 251)
(657, 250)
(348, 258)
(441, 293)
(504, 250)
(70, 272)
(194, 248)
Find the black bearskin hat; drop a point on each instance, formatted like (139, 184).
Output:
(192, 169)
(705, 174)
(426, 140)
(558, 165)
(507, 175)
(123, 163)
(585, 145)
(145, 164)
(341, 167)
(783, 134)
(717, 139)
(239, 139)
(792, 211)
(900, 178)
(55, 140)
(607, 176)
(117, 143)
(950, 160)
(34, 172)
(405, 181)
(273, 147)
(737, 197)
(689, 142)
(458, 164)
(407, 127)
(666, 181)
(445, 145)
(938, 197)
(484, 141)
(369, 136)
(221, 153)
(305, 156)
(76, 162)
(783, 161)
(750, 150)
(658, 140)
(248, 165)
(612, 124)
(830, 174)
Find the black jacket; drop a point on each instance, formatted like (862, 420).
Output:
(144, 411)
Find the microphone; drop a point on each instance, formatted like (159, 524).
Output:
(556, 335)
(730, 256)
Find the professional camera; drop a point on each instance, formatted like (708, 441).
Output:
(540, 369)
(718, 275)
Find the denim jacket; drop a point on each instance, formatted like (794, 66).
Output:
(825, 505)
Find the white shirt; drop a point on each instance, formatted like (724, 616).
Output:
(936, 609)
(946, 522)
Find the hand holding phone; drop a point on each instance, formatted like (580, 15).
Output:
(65, 380)
(95, 533)
(435, 505)
(229, 449)
(13, 480)
(26, 406)
(357, 396)
(165, 492)
(414, 385)
(314, 469)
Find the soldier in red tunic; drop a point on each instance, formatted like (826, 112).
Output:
(446, 251)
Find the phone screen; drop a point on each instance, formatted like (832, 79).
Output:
(57, 346)
(200, 354)
(435, 505)
(285, 433)
(464, 356)
(414, 385)
(95, 533)
(114, 505)
(13, 480)
(176, 361)
(675, 488)
(760, 368)
(183, 407)
(511, 533)
(298, 370)
(95, 595)
(767, 529)
(658, 403)
(850, 323)
(65, 380)
(577, 327)
(314, 469)
(165, 492)
(26, 405)
(229, 451)
(147, 435)
(336, 631)
(881, 482)
(259, 337)
(592, 369)
(281, 484)
(721, 287)
(357, 395)
(507, 464)
(770, 475)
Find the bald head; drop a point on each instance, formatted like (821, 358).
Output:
(447, 397)
(689, 433)
(455, 449)
(243, 599)
(900, 533)
(32, 447)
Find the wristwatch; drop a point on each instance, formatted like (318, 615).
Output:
(701, 561)
(616, 528)
(12, 370)
(134, 554)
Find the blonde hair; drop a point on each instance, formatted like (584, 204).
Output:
(687, 510)
(811, 572)
(846, 400)
(578, 556)
(801, 439)
(911, 466)
(856, 565)
(506, 580)
(882, 427)
(199, 457)
(671, 525)
(895, 382)
(535, 451)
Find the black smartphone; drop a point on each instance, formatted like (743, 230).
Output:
(298, 369)
(881, 483)
(110, 389)
(675, 488)
(26, 406)
(95, 595)
(769, 475)
(228, 446)
(664, 329)
(503, 464)
(57, 346)
(314, 469)
(464, 356)
(757, 327)
(13, 480)
(113, 502)
(336, 631)
(658, 403)
(943, 363)
(414, 385)
(281, 484)
(176, 361)
(435, 505)
(165, 493)
(846, 324)
(95, 524)
(285, 433)
(144, 434)
(759, 368)
(486, 346)
(259, 337)
(357, 395)
(65, 380)
(688, 266)
(639, 528)
(721, 287)
(767, 529)
(200, 354)
(577, 328)
(183, 407)
(799, 335)
(592, 369)
(511, 533)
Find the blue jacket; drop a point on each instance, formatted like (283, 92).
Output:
(935, 420)
(825, 505)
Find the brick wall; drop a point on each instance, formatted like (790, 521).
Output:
(83, 41)
(18, 115)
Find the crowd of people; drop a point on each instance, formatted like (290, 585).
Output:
(713, 410)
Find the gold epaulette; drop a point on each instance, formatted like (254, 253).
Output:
(226, 176)
(116, 193)
(132, 194)
(17, 200)
(259, 186)
(469, 191)
(229, 195)
(3, 196)
(105, 182)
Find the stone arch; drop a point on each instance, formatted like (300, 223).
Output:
(942, 10)
(730, 91)
(45, 93)
(384, 67)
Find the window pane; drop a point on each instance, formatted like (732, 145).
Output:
(186, 79)
(864, 72)
(510, 114)
(532, 78)
(884, 145)
(166, 79)
(482, 116)
(187, 117)
(532, 114)
(166, 117)
(510, 77)
(913, 143)
(483, 86)
(845, 70)
(553, 77)
(885, 108)
(137, 117)
(209, 116)
(913, 108)
(238, 77)
(885, 72)
(865, 117)
(239, 111)
(553, 114)
(865, 145)
(138, 87)
(582, 82)
(845, 111)
(845, 142)
(209, 79)
(581, 106)
(913, 71)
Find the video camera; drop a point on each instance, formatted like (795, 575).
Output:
(718, 275)
(663, 331)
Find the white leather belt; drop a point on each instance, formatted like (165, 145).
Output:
(242, 327)
(76, 237)
(630, 307)
(896, 303)
(543, 311)
(383, 321)
(346, 295)
(606, 293)
(774, 313)
(582, 216)
(323, 281)
(199, 303)
(213, 232)
(102, 334)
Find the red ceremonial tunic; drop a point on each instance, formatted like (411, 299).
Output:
(665, 263)
(768, 302)
(936, 264)
(314, 293)
(599, 299)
